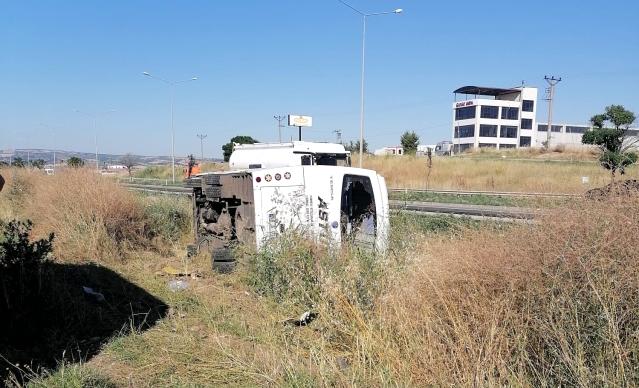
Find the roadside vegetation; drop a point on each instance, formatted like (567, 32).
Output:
(164, 172)
(491, 174)
(456, 302)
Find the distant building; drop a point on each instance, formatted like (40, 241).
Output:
(397, 150)
(506, 118)
(504, 121)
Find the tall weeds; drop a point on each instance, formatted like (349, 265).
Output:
(549, 304)
(92, 217)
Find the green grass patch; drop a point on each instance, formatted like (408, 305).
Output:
(474, 199)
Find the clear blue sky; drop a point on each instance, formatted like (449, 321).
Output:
(255, 59)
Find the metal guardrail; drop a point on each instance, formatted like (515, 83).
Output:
(485, 193)
(486, 211)
(148, 181)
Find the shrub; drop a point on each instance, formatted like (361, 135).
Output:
(294, 270)
(20, 262)
(169, 218)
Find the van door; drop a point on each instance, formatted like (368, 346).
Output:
(359, 210)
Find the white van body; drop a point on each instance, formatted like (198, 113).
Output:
(329, 204)
(296, 153)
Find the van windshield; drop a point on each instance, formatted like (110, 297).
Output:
(331, 160)
(358, 212)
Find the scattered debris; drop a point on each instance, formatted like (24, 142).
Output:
(304, 319)
(625, 188)
(92, 294)
(178, 285)
(169, 270)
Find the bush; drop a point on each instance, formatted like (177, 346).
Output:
(20, 262)
(169, 218)
(294, 270)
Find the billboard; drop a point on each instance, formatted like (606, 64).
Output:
(300, 121)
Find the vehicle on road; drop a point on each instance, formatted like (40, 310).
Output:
(444, 148)
(296, 153)
(329, 204)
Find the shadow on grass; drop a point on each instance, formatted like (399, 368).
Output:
(60, 321)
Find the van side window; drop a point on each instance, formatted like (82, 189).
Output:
(358, 212)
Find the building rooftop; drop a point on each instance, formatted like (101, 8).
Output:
(485, 91)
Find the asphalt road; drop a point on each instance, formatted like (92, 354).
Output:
(414, 206)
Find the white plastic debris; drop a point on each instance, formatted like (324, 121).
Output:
(178, 285)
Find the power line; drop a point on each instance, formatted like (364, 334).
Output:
(279, 126)
(552, 81)
(202, 137)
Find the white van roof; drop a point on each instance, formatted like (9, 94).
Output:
(297, 147)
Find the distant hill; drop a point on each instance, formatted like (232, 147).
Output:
(60, 155)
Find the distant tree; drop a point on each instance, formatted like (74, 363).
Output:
(38, 163)
(75, 162)
(409, 141)
(617, 152)
(227, 148)
(353, 146)
(598, 120)
(129, 161)
(3, 163)
(18, 162)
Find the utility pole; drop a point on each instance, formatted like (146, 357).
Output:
(202, 137)
(338, 133)
(552, 81)
(279, 126)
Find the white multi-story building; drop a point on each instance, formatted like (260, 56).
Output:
(507, 120)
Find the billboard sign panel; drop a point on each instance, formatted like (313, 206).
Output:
(300, 121)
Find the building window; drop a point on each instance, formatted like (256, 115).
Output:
(509, 113)
(508, 131)
(556, 128)
(487, 145)
(526, 123)
(486, 130)
(467, 112)
(524, 141)
(465, 131)
(575, 129)
(489, 112)
(503, 146)
(542, 128)
(528, 106)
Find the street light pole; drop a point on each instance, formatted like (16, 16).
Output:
(94, 117)
(361, 108)
(172, 92)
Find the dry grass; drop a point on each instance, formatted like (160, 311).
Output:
(93, 218)
(548, 304)
(490, 174)
(166, 172)
(553, 304)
